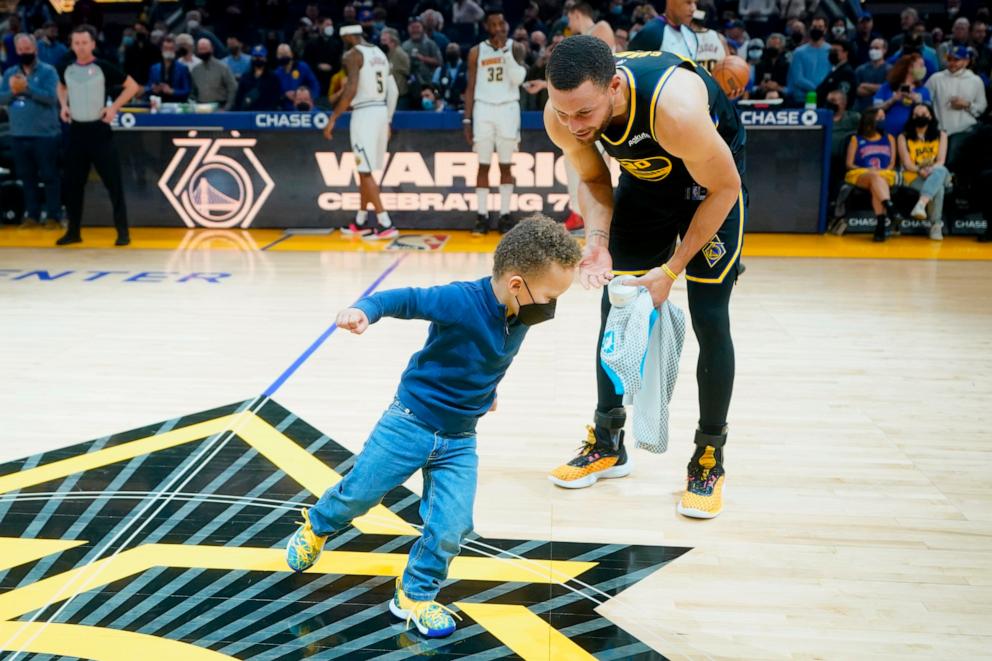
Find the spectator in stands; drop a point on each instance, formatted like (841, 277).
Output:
(194, 26)
(213, 82)
(916, 43)
(771, 73)
(980, 44)
(399, 66)
(305, 32)
(302, 101)
(292, 74)
(841, 76)
(366, 18)
(140, 55)
(323, 54)
(433, 28)
(922, 152)
(864, 35)
(615, 14)
(757, 15)
(907, 21)
(810, 62)
(796, 9)
(451, 78)
(870, 76)
(845, 125)
(960, 36)
(958, 101)
(737, 37)
(9, 51)
(169, 78)
(424, 54)
(186, 51)
(50, 49)
(237, 61)
(430, 99)
(532, 18)
(838, 31)
(467, 12)
(902, 90)
(259, 89)
(29, 90)
(871, 160)
(621, 37)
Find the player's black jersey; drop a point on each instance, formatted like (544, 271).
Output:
(635, 146)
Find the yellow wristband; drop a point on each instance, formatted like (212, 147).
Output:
(669, 272)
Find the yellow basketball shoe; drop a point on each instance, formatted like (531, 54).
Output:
(431, 618)
(703, 497)
(601, 456)
(305, 546)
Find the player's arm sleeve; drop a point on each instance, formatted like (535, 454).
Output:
(392, 96)
(515, 71)
(431, 304)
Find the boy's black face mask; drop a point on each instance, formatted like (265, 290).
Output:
(535, 313)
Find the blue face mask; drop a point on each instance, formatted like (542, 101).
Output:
(128, 41)
(426, 104)
(616, 9)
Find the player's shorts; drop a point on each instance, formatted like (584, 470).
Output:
(495, 127)
(369, 136)
(852, 176)
(646, 224)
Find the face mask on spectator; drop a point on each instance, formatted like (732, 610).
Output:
(235, 50)
(182, 51)
(329, 31)
(27, 59)
(875, 54)
(128, 40)
(258, 63)
(754, 53)
(796, 38)
(838, 31)
(921, 122)
(205, 56)
(168, 55)
(379, 26)
(283, 61)
(831, 106)
(303, 107)
(771, 52)
(919, 73)
(616, 9)
(452, 58)
(193, 24)
(426, 104)
(833, 58)
(816, 34)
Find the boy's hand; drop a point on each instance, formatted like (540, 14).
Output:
(353, 320)
(493, 407)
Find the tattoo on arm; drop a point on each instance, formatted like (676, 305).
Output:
(598, 234)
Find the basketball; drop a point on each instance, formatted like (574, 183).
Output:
(732, 73)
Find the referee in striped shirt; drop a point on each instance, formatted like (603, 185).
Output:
(83, 89)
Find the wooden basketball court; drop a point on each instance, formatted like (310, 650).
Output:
(168, 407)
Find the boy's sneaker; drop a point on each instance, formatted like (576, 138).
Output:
(355, 230)
(481, 227)
(601, 456)
(703, 497)
(937, 231)
(304, 546)
(431, 618)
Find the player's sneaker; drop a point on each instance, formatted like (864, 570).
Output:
(481, 227)
(355, 230)
(379, 233)
(304, 546)
(431, 618)
(703, 497)
(601, 456)
(574, 222)
(505, 223)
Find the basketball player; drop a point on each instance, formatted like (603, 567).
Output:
(712, 46)
(492, 113)
(670, 32)
(371, 92)
(582, 20)
(680, 146)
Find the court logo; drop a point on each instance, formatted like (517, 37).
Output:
(419, 242)
(654, 168)
(714, 251)
(208, 188)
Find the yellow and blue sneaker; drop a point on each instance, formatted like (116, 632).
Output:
(304, 546)
(601, 456)
(431, 618)
(703, 497)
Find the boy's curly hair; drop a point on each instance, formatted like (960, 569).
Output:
(533, 245)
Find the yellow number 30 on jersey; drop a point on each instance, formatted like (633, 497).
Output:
(654, 168)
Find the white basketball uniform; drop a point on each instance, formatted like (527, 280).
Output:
(680, 40)
(496, 112)
(710, 49)
(369, 117)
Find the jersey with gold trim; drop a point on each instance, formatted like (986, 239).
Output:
(634, 145)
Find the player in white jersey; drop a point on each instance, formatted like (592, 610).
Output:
(492, 113)
(712, 46)
(372, 94)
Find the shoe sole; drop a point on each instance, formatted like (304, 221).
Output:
(404, 615)
(693, 513)
(592, 478)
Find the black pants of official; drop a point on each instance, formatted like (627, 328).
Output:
(92, 144)
(645, 228)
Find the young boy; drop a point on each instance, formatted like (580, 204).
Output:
(476, 330)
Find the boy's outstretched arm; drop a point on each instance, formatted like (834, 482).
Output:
(438, 304)
(354, 320)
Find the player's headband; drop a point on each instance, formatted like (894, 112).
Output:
(350, 29)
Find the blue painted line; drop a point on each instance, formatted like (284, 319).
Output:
(276, 242)
(278, 383)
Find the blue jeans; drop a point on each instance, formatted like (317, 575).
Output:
(36, 159)
(398, 446)
(933, 187)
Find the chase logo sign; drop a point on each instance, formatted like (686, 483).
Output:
(216, 182)
(654, 168)
(779, 117)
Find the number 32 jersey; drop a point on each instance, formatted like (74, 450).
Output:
(492, 80)
(371, 78)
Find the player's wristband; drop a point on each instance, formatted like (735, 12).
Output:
(669, 272)
(467, 120)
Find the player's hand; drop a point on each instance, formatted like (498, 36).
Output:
(107, 114)
(329, 130)
(736, 93)
(493, 407)
(657, 282)
(353, 320)
(64, 114)
(468, 131)
(596, 267)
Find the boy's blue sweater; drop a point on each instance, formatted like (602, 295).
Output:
(451, 382)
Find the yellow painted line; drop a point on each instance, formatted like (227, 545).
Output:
(313, 475)
(64, 467)
(134, 561)
(524, 632)
(855, 246)
(14, 551)
(76, 640)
